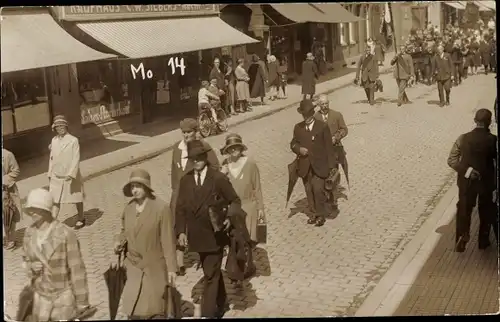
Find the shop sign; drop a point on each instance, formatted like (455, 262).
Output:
(110, 12)
(104, 113)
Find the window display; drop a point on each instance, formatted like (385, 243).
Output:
(104, 90)
(25, 103)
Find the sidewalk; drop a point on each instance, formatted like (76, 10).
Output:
(429, 278)
(149, 147)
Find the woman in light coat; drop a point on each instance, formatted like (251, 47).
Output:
(54, 263)
(274, 77)
(65, 179)
(10, 172)
(148, 240)
(242, 87)
(245, 178)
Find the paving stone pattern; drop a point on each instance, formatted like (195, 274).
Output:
(397, 159)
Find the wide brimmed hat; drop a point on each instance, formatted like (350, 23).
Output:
(40, 199)
(306, 107)
(137, 176)
(196, 148)
(310, 56)
(233, 140)
(59, 120)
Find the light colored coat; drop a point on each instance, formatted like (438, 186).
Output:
(65, 161)
(151, 255)
(62, 285)
(10, 172)
(242, 87)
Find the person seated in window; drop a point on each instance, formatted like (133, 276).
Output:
(204, 98)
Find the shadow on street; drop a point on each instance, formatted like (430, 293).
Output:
(455, 283)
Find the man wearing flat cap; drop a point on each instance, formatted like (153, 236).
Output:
(309, 75)
(312, 143)
(203, 192)
(182, 165)
(65, 179)
(474, 158)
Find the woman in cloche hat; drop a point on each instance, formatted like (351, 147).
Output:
(54, 263)
(244, 175)
(147, 238)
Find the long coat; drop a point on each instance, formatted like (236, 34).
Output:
(219, 76)
(65, 161)
(247, 185)
(178, 172)
(442, 67)
(64, 277)
(318, 142)
(258, 78)
(368, 68)
(151, 255)
(274, 77)
(242, 87)
(10, 172)
(192, 210)
(485, 49)
(309, 76)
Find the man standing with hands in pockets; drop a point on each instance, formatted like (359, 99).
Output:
(403, 73)
(442, 67)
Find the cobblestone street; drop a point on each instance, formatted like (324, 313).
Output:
(398, 171)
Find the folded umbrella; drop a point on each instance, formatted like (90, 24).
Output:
(293, 176)
(115, 277)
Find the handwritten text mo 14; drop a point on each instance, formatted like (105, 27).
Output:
(173, 63)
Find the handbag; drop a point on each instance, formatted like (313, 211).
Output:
(262, 231)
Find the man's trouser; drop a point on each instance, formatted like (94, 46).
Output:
(428, 73)
(468, 192)
(315, 192)
(444, 87)
(214, 290)
(402, 83)
(458, 70)
(369, 87)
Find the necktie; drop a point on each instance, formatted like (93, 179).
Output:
(199, 179)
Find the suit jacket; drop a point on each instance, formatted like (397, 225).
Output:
(219, 76)
(404, 68)
(368, 67)
(336, 124)
(318, 142)
(442, 67)
(192, 209)
(178, 173)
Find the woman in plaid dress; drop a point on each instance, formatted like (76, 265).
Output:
(54, 263)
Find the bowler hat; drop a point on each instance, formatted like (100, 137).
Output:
(59, 120)
(306, 107)
(188, 125)
(196, 148)
(137, 176)
(233, 140)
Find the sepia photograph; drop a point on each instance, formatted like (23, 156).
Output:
(249, 160)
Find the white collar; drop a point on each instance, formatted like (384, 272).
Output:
(182, 145)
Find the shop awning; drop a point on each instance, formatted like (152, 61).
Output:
(455, 4)
(482, 6)
(36, 40)
(490, 4)
(158, 37)
(317, 12)
(336, 13)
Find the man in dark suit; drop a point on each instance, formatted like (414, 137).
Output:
(182, 165)
(442, 67)
(338, 129)
(403, 72)
(312, 143)
(474, 158)
(201, 191)
(309, 76)
(368, 68)
(216, 73)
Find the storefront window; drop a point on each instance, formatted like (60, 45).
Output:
(189, 82)
(104, 90)
(25, 103)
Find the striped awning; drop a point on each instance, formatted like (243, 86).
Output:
(315, 12)
(35, 40)
(455, 4)
(159, 37)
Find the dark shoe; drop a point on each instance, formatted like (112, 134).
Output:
(441, 104)
(182, 271)
(80, 224)
(408, 102)
(399, 104)
(312, 221)
(447, 103)
(320, 222)
(460, 246)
